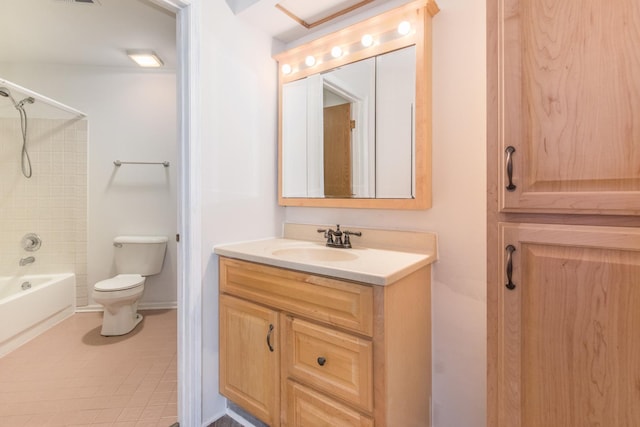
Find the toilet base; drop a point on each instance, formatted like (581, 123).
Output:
(121, 323)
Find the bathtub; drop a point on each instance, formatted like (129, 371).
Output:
(29, 305)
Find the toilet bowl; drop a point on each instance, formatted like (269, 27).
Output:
(119, 296)
(136, 257)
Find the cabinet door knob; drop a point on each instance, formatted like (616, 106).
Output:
(269, 338)
(321, 361)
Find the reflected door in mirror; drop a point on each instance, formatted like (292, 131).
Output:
(367, 150)
(337, 150)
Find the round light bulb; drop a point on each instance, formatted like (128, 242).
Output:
(404, 28)
(310, 61)
(367, 40)
(336, 52)
(286, 69)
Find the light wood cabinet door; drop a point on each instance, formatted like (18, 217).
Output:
(566, 97)
(249, 357)
(335, 362)
(568, 326)
(307, 408)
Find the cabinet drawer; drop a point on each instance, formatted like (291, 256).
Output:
(337, 363)
(337, 302)
(307, 408)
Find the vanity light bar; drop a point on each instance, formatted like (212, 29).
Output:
(384, 33)
(367, 40)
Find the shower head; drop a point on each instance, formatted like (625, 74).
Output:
(7, 94)
(28, 100)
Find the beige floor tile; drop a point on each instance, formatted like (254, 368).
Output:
(71, 375)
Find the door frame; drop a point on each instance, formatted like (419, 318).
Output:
(189, 277)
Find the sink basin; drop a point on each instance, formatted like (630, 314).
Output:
(310, 254)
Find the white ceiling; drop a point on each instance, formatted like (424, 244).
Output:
(64, 32)
(60, 31)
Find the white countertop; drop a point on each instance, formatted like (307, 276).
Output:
(373, 266)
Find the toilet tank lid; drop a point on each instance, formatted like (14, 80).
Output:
(141, 239)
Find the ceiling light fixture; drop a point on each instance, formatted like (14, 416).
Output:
(145, 57)
(336, 52)
(286, 69)
(367, 40)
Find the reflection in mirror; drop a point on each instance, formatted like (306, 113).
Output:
(349, 132)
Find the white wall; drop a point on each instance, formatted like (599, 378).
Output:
(239, 164)
(132, 116)
(458, 214)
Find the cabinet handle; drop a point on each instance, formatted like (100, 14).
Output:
(269, 338)
(510, 250)
(510, 150)
(321, 361)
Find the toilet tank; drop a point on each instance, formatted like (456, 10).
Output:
(142, 255)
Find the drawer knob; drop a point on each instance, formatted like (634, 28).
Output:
(321, 361)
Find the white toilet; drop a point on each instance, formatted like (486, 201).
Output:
(136, 257)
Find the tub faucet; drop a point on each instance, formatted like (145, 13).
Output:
(27, 260)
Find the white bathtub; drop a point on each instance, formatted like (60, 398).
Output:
(26, 313)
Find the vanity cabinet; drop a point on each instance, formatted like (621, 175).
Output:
(344, 353)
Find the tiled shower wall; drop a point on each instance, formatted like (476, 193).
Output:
(52, 203)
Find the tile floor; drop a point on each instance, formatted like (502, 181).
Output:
(73, 376)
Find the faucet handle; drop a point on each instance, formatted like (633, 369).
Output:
(328, 234)
(347, 239)
(31, 242)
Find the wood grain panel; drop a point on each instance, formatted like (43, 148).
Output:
(335, 301)
(249, 371)
(568, 347)
(571, 105)
(347, 371)
(307, 408)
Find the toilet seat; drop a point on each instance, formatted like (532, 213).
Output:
(120, 282)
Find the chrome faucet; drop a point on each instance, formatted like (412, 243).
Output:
(335, 237)
(27, 260)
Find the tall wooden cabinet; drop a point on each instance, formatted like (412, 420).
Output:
(563, 148)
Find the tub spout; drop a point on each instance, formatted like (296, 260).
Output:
(27, 260)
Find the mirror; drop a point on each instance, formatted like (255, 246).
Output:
(348, 132)
(354, 128)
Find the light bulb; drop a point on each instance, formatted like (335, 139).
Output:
(404, 28)
(336, 52)
(286, 69)
(367, 40)
(310, 61)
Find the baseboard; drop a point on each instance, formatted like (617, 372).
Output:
(142, 306)
(88, 308)
(158, 305)
(238, 418)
